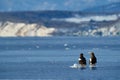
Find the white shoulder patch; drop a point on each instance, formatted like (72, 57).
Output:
(90, 59)
(79, 59)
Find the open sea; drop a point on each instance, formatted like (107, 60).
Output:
(50, 58)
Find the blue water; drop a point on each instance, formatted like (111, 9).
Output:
(49, 58)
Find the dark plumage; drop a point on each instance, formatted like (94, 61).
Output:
(82, 60)
(93, 59)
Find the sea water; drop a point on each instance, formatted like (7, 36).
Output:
(50, 58)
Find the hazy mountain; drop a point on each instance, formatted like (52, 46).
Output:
(36, 5)
(59, 23)
(110, 8)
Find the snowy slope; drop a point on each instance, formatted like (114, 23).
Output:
(8, 29)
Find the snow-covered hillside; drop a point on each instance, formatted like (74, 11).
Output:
(58, 23)
(105, 31)
(8, 29)
(11, 29)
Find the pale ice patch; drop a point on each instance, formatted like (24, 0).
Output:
(77, 66)
(65, 44)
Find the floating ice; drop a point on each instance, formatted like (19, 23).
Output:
(65, 44)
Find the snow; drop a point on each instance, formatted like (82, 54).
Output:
(89, 18)
(23, 29)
